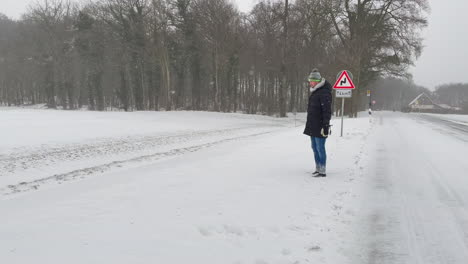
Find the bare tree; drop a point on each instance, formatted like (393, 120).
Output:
(200, 54)
(377, 37)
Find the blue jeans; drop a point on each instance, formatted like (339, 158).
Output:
(318, 146)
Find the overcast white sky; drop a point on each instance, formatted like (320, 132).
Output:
(444, 58)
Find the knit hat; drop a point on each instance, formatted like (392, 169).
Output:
(315, 76)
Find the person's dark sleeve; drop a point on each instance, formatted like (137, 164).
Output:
(325, 105)
(309, 107)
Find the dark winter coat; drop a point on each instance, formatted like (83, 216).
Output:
(319, 109)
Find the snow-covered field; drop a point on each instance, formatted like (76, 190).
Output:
(198, 187)
(173, 187)
(52, 145)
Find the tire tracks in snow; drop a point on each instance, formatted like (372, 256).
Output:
(445, 126)
(88, 151)
(409, 221)
(25, 159)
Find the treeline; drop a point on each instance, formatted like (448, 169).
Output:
(394, 93)
(200, 54)
(453, 94)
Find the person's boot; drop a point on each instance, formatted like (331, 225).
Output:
(321, 172)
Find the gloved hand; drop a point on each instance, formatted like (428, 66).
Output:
(325, 131)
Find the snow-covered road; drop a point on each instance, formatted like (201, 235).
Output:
(416, 206)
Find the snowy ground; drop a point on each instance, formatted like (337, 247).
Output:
(195, 187)
(416, 203)
(44, 145)
(457, 118)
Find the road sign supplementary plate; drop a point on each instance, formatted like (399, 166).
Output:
(344, 82)
(344, 93)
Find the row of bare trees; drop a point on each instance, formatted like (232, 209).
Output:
(200, 54)
(394, 93)
(453, 94)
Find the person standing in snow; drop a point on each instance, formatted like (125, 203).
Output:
(318, 119)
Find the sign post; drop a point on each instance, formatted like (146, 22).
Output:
(344, 87)
(370, 105)
(343, 93)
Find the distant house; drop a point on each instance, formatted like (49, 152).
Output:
(423, 103)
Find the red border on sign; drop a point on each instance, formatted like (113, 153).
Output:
(336, 86)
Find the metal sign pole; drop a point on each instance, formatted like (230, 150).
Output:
(342, 115)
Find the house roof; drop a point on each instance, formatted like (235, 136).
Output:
(421, 95)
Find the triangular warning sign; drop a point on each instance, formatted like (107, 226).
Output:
(344, 82)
